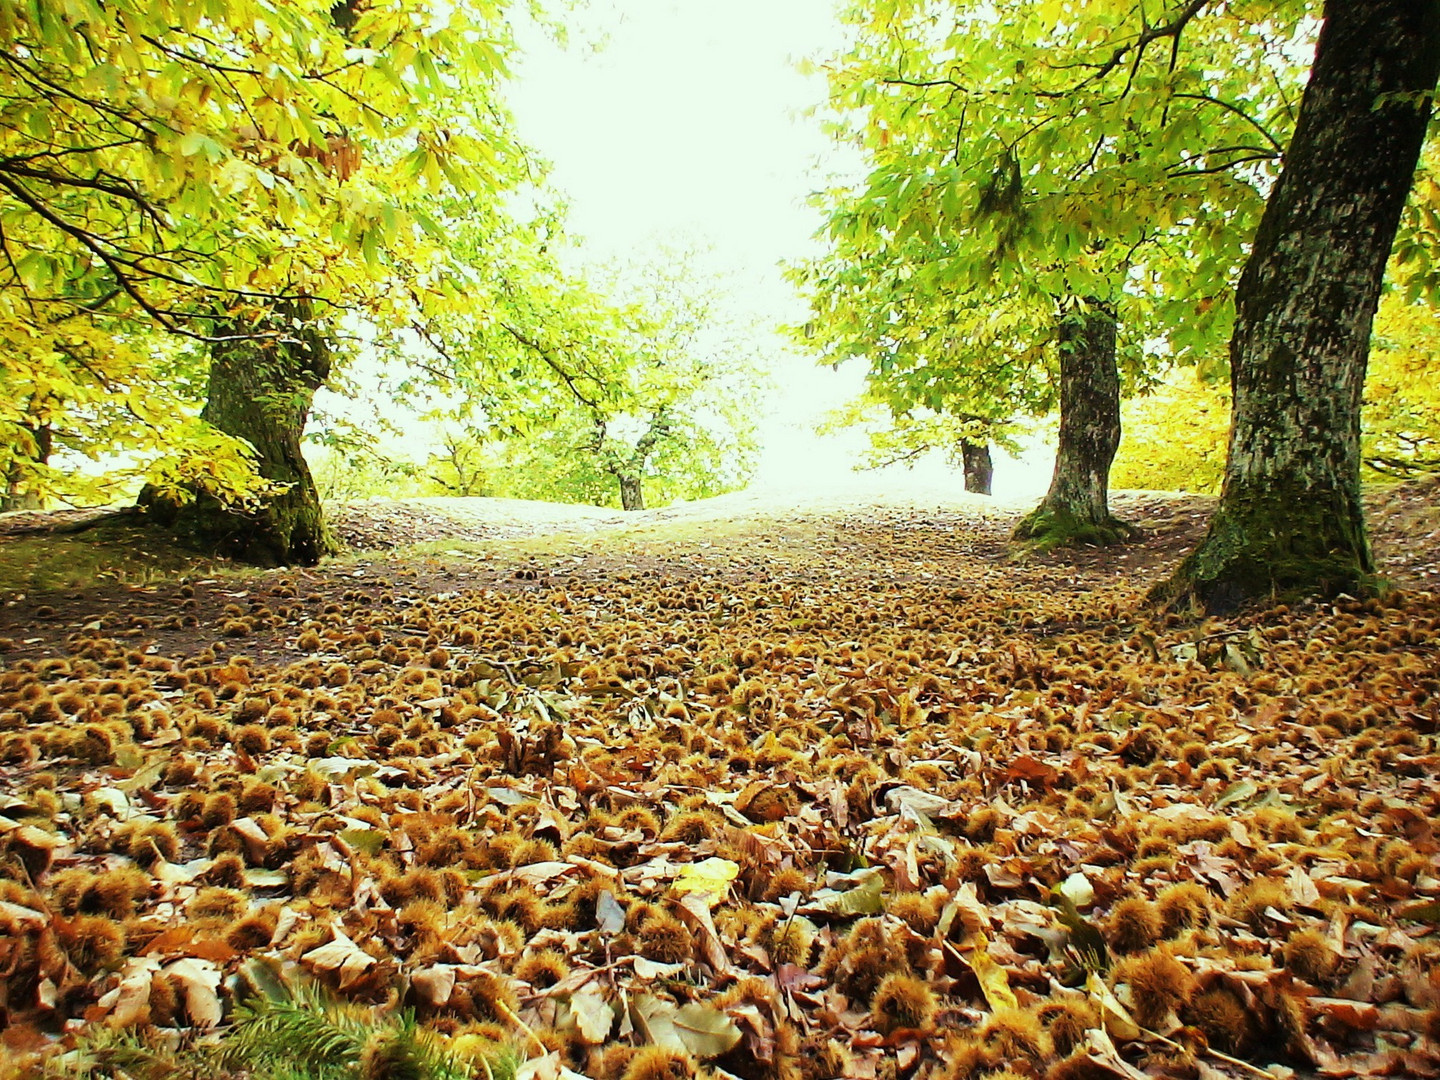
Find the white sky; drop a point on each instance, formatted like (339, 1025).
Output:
(686, 125)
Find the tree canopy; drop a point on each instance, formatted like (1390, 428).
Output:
(169, 167)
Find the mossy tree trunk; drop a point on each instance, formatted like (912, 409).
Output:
(261, 389)
(1076, 509)
(979, 469)
(1290, 520)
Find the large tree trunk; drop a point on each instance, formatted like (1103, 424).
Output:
(632, 493)
(1076, 510)
(979, 470)
(1290, 519)
(260, 390)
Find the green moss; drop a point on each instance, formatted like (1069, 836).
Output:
(1275, 545)
(1048, 527)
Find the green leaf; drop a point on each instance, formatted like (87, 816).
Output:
(868, 898)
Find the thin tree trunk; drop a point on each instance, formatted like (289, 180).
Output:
(1076, 510)
(1289, 520)
(632, 493)
(261, 390)
(979, 470)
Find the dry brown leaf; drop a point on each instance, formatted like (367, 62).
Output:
(200, 980)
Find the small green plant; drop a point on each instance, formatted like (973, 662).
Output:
(297, 1031)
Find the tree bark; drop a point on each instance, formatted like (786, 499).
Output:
(1076, 509)
(18, 495)
(261, 390)
(632, 493)
(1289, 520)
(979, 470)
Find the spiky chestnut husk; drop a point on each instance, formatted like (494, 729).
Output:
(1224, 1020)
(421, 883)
(665, 939)
(542, 969)
(92, 942)
(787, 881)
(1310, 955)
(659, 1063)
(1159, 984)
(1186, 906)
(1066, 1023)
(218, 810)
(1249, 903)
(164, 1004)
(902, 1002)
(254, 739)
(692, 826)
(920, 913)
(227, 871)
(393, 1055)
(825, 1060)
(1015, 1033)
(214, 902)
(1080, 1066)
(1133, 925)
(535, 851)
(790, 941)
(638, 817)
(966, 1058)
(253, 931)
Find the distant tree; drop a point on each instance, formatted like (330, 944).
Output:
(681, 400)
(459, 468)
(1067, 181)
(963, 441)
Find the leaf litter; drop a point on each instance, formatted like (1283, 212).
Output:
(916, 811)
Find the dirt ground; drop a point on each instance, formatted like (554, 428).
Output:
(420, 547)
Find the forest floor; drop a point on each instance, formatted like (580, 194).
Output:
(784, 786)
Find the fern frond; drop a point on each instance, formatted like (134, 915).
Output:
(307, 1035)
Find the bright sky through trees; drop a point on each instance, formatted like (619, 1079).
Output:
(686, 124)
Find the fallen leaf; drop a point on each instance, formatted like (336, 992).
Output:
(341, 956)
(994, 983)
(593, 1015)
(200, 980)
(709, 879)
(434, 985)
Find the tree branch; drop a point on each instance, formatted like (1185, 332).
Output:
(554, 365)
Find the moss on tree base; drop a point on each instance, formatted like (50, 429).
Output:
(1048, 527)
(1272, 547)
(290, 531)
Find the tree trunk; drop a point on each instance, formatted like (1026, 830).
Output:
(979, 470)
(1076, 510)
(1289, 520)
(632, 494)
(18, 494)
(260, 390)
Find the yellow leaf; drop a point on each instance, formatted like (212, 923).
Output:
(710, 879)
(1118, 1021)
(993, 980)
